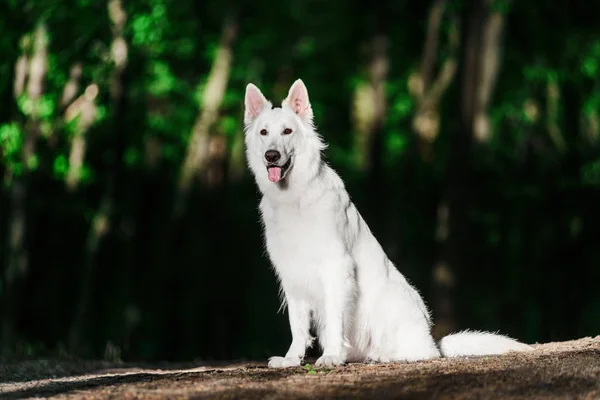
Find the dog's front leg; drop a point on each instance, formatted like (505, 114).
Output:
(337, 294)
(299, 315)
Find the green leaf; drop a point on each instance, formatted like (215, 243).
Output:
(396, 143)
(501, 6)
(590, 173)
(33, 162)
(309, 368)
(534, 73)
(131, 156)
(25, 104)
(229, 125)
(85, 174)
(185, 48)
(306, 46)
(60, 166)
(46, 105)
(589, 67)
(11, 140)
(592, 104)
(163, 81)
(101, 112)
(403, 105)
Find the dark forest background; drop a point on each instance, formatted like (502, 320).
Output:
(467, 132)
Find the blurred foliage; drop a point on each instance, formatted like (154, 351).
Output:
(160, 285)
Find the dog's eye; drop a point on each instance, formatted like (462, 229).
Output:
(263, 132)
(287, 131)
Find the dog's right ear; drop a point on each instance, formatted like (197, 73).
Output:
(255, 102)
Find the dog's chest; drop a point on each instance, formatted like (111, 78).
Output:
(300, 241)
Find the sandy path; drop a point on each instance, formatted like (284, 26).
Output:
(565, 370)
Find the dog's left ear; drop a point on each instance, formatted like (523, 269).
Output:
(297, 100)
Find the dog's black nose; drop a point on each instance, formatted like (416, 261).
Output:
(272, 156)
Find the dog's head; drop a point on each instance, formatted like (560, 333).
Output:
(279, 139)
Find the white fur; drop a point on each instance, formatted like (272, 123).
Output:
(332, 271)
(473, 343)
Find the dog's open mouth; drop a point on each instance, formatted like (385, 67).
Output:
(276, 172)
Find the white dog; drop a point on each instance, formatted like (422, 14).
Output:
(332, 270)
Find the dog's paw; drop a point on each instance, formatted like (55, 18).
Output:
(283, 362)
(329, 361)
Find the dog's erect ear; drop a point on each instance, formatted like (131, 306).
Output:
(297, 100)
(255, 102)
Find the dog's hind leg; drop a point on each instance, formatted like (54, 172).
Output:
(407, 345)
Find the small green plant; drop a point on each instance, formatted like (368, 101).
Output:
(309, 368)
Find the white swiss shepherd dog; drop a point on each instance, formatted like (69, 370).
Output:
(332, 271)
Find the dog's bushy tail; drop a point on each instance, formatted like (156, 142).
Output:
(473, 343)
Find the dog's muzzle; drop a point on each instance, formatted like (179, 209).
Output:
(277, 172)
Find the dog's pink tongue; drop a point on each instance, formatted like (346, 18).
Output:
(274, 174)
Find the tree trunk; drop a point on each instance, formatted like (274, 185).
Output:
(489, 55)
(30, 74)
(369, 106)
(83, 107)
(453, 219)
(204, 149)
(428, 89)
(102, 221)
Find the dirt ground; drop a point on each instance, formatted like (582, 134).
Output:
(566, 370)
